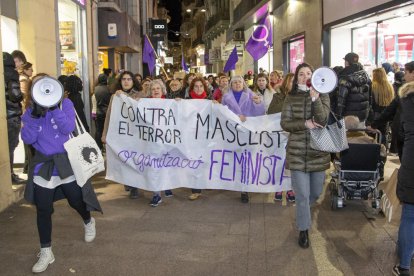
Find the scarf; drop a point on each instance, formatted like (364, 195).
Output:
(193, 95)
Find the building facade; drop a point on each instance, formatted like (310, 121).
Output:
(57, 38)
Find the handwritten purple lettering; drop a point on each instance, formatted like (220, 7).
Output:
(142, 161)
(249, 168)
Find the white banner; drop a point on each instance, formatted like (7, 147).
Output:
(158, 144)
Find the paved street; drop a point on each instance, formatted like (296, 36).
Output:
(216, 235)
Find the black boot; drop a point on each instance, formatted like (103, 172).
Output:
(16, 180)
(304, 239)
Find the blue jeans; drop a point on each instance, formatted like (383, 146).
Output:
(406, 236)
(308, 187)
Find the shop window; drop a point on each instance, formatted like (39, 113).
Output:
(294, 53)
(364, 44)
(387, 37)
(70, 36)
(395, 40)
(9, 34)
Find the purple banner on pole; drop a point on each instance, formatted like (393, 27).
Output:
(231, 62)
(261, 39)
(183, 64)
(148, 55)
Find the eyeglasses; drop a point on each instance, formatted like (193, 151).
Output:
(126, 79)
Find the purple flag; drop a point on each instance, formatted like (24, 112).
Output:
(148, 55)
(183, 64)
(261, 39)
(231, 62)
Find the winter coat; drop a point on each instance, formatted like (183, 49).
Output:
(14, 95)
(354, 93)
(180, 93)
(103, 97)
(62, 163)
(405, 185)
(77, 101)
(391, 113)
(276, 104)
(267, 97)
(246, 106)
(296, 110)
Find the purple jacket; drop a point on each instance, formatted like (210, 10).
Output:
(246, 105)
(48, 134)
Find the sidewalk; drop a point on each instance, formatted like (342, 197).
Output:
(215, 235)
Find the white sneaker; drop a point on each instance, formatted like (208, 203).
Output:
(90, 231)
(45, 258)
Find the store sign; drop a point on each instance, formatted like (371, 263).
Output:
(112, 31)
(159, 26)
(214, 54)
(67, 35)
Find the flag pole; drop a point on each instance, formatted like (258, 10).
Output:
(155, 52)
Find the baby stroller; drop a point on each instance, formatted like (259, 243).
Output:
(356, 174)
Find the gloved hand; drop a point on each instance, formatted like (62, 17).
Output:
(37, 110)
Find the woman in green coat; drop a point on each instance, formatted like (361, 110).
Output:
(305, 109)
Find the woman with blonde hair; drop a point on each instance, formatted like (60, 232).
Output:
(276, 78)
(382, 96)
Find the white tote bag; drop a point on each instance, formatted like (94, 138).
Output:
(84, 154)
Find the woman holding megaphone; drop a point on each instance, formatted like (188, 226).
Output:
(307, 165)
(47, 124)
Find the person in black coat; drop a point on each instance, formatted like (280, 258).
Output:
(175, 90)
(73, 87)
(14, 98)
(103, 97)
(405, 185)
(354, 90)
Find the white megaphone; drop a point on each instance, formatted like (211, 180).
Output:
(324, 80)
(47, 91)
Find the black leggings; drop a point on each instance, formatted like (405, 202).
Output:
(44, 206)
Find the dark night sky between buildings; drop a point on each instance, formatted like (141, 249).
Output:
(174, 8)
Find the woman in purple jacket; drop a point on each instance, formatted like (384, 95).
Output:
(50, 175)
(244, 103)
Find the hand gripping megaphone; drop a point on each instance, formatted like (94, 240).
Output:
(47, 91)
(324, 80)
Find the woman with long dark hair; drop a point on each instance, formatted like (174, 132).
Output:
(73, 86)
(305, 109)
(51, 176)
(128, 85)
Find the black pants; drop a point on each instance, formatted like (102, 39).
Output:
(13, 131)
(44, 205)
(99, 123)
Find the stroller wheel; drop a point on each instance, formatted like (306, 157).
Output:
(334, 202)
(375, 204)
(331, 185)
